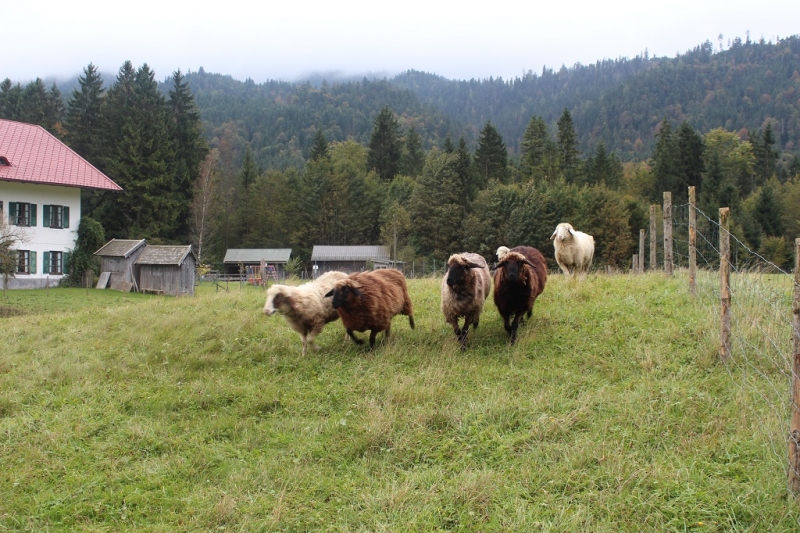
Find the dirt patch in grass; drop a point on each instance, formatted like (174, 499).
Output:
(6, 311)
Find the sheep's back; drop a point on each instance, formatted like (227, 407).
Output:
(384, 294)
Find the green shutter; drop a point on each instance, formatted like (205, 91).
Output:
(46, 265)
(65, 217)
(12, 213)
(65, 263)
(45, 216)
(33, 214)
(32, 267)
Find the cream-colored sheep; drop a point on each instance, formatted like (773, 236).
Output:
(305, 307)
(574, 249)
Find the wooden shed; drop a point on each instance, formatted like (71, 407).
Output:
(251, 259)
(167, 270)
(117, 262)
(348, 258)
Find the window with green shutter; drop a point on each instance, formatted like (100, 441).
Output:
(45, 216)
(46, 263)
(55, 216)
(33, 263)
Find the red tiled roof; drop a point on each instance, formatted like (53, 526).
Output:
(38, 157)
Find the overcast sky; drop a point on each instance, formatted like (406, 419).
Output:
(267, 39)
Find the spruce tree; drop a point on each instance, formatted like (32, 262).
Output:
(185, 131)
(491, 156)
(84, 120)
(690, 148)
(413, 157)
(319, 149)
(568, 151)
(536, 147)
(384, 145)
(665, 162)
(768, 212)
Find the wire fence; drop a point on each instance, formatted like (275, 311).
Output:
(761, 329)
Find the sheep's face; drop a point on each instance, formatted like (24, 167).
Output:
(514, 265)
(341, 294)
(458, 272)
(277, 302)
(563, 232)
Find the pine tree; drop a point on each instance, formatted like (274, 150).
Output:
(491, 156)
(384, 145)
(568, 147)
(768, 212)
(413, 157)
(319, 150)
(537, 148)
(84, 119)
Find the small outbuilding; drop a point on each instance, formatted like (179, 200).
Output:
(349, 258)
(248, 261)
(117, 262)
(167, 270)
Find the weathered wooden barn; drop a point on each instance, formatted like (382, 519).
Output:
(117, 262)
(167, 270)
(349, 258)
(250, 261)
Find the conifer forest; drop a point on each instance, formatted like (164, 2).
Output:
(436, 165)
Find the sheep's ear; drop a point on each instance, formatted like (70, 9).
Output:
(572, 231)
(474, 265)
(527, 262)
(553, 236)
(329, 294)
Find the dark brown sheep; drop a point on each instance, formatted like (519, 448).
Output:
(465, 286)
(519, 279)
(369, 300)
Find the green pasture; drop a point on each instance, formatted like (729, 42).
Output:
(128, 412)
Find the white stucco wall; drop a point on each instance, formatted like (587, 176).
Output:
(41, 239)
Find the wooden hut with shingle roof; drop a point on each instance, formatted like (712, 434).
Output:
(117, 258)
(167, 270)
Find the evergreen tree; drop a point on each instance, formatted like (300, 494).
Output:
(537, 149)
(448, 147)
(665, 162)
(413, 157)
(765, 154)
(690, 148)
(84, 119)
(10, 100)
(491, 156)
(185, 131)
(568, 147)
(137, 156)
(768, 212)
(384, 145)
(319, 150)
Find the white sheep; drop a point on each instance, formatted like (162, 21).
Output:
(574, 249)
(305, 307)
(465, 286)
(501, 252)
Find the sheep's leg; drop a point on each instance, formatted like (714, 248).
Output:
(411, 321)
(372, 334)
(303, 337)
(507, 323)
(514, 327)
(463, 336)
(353, 336)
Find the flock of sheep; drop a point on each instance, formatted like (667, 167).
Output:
(369, 300)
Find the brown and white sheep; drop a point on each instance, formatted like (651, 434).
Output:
(369, 300)
(465, 286)
(574, 250)
(519, 279)
(305, 307)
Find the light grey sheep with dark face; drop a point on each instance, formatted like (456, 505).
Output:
(465, 286)
(574, 249)
(305, 307)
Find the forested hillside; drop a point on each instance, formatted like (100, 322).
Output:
(440, 165)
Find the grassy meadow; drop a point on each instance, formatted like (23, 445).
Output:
(129, 412)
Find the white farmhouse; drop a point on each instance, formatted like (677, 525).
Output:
(40, 193)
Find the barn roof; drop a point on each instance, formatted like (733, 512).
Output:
(350, 253)
(164, 255)
(255, 255)
(30, 154)
(120, 248)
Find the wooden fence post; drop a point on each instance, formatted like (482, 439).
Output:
(635, 264)
(724, 283)
(653, 237)
(794, 429)
(641, 251)
(668, 233)
(692, 242)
